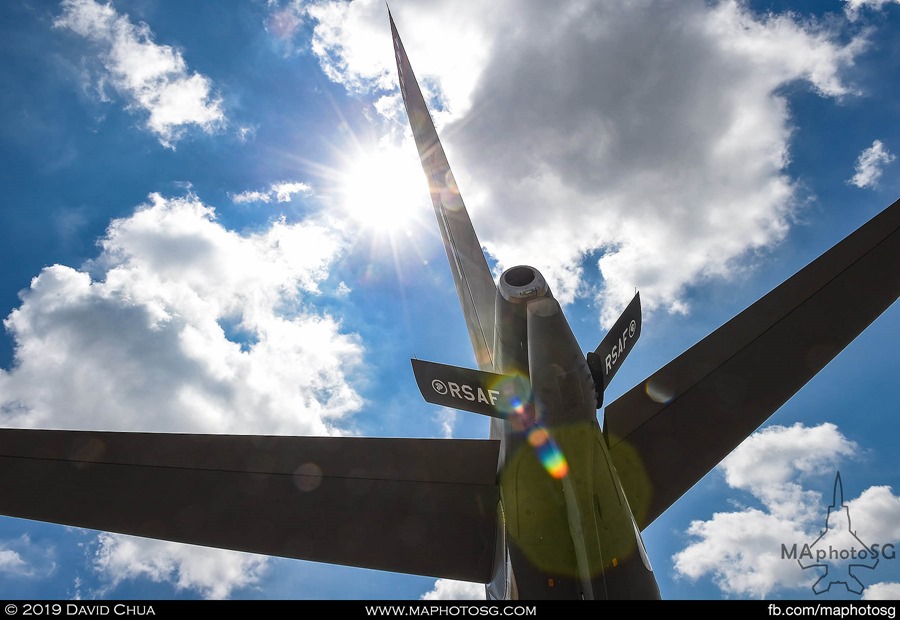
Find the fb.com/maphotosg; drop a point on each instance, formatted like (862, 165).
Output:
(836, 610)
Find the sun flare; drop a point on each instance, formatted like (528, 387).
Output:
(382, 189)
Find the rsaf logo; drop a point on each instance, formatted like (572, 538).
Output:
(618, 350)
(465, 392)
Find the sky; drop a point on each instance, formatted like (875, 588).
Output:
(213, 220)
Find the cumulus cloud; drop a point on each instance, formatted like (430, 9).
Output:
(767, 463)
(741, 550)
(650, 137)
(451, 590)
(885, 591)
(181, 325)
(153, 78)
(870, 164)
(215, 573)
(281, 192)
(450, 46)
(876, 512)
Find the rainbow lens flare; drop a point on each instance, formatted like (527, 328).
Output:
(516, 401)
(548, 452)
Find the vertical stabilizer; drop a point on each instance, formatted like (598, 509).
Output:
(474, 283)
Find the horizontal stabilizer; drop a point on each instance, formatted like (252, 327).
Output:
(421, 506)
(477, 391)
(606, 360)
(667, 432)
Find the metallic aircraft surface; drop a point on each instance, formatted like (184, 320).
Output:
(552, 505)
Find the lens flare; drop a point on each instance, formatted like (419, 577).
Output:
(516, 401)
(548, 453)
(659, 391)
(537, 437)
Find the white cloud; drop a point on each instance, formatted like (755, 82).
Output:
(180, 325)
(446, 418)
(449, 44)
(741, 550)
(11, 562)
(356, 66)
(876, 514)
(153, 78)
(215, 573)
(767, 463)
(282, 192)
(882, 592)
(20, 557)
(651, 136)
(870, 164)
(251, 196)
(853, 7)
(451, 590)
(246, 133)
(283, 23)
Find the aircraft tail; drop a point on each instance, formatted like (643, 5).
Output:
(474, 283)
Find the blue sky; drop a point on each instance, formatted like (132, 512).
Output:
(213, 220)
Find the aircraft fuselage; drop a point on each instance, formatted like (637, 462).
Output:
(567, 530)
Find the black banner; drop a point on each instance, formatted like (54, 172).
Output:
(450, 609)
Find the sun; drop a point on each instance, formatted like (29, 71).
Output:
(382, 189)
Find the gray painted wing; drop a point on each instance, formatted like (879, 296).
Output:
(670, 430)
(474, 283)
(407, 505)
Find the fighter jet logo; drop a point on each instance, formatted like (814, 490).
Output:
(838, 549)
